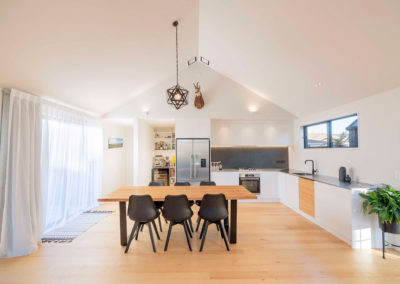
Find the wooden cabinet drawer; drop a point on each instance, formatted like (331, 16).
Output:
(306, 196)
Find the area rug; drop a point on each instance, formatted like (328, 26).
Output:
(75, 227)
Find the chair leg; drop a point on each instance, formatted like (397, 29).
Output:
(169, 234)
(202, 229)
(204, 235)
(190, 233)
(198, 223)
(140, 228)
(159, 223)
(219, 228)
(135, 227)
(155, 229)
(151, 236)
(191, 225)
(185, 226)
(221, 225)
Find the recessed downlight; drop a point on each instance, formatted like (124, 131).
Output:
(253, 109)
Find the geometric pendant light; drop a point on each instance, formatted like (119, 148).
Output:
(177, 96)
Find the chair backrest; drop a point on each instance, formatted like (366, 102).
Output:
(186, 183)
(141, 208)
(213, 207)
(156, 183)
(176, 207)
(207, 183)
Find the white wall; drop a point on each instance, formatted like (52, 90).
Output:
(377, 160)
(223, 97)
(117, 165)
(143, 152)
(193, 128)
(251, 132)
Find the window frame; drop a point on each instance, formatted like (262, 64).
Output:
(329, 133)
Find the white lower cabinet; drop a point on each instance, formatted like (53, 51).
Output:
(333, 210)
(269, 183)
(225, 178)
(269, 186)
(289, 190)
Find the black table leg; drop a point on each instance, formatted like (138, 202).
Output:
(226, 221)
(122, 223)
(233, 226)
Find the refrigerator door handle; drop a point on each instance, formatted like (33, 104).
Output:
(195, 166)
(191, 166)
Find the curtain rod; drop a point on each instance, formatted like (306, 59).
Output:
(7, 91)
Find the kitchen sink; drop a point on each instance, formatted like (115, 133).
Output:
(302, 174)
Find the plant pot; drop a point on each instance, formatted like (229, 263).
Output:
(392, 227)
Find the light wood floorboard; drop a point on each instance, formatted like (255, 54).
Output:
(275, 245)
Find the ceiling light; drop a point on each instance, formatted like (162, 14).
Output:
(177, 96)
(253, 109)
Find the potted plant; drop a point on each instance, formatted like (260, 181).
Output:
(386, 203)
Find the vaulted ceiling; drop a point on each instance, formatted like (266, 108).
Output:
(304, 56)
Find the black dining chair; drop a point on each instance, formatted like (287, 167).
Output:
(177, 211)
(213, 210)
(141, 210)
(182, 183)
(198, 202)
(191, 202)
(158, 204)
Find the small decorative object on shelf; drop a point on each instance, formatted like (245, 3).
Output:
(347, 179)
(385, 202)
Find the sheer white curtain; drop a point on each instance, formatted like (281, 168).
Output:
(72, 157)
(20, 189)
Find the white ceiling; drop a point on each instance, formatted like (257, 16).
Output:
(94, 54)
(305, 56)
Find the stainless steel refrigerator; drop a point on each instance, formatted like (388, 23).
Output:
(192, 160)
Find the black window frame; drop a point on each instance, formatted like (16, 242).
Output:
(329, 133)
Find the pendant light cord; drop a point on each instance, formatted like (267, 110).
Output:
(177, 54)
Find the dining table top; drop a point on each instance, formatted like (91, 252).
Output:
(194, 192)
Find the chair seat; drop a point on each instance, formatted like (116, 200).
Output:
(145, 219)
(213, 214)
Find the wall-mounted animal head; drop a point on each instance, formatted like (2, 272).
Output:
(197, 88)
(198, 100)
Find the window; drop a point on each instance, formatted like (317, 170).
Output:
(336, 133)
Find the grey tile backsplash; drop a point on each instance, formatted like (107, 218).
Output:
(251, 157)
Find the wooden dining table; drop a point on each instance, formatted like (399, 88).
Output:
(233, 193)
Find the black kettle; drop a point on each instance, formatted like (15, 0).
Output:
(342, 174)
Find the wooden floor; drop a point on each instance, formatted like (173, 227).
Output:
(274, 245)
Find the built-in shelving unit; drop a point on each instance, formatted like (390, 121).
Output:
(164, 151)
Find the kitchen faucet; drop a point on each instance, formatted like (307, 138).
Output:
(313, 171)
